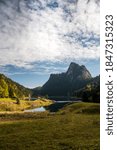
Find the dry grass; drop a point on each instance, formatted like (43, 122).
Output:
(7, 104)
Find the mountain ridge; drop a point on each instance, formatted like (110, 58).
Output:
(65, 83)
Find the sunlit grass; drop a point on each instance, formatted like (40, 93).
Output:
(8, 104)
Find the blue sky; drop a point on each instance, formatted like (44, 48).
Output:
(40, 37)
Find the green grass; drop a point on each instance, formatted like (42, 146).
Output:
(6, 100)
(75, 127)
(8, 104)
(83, 108)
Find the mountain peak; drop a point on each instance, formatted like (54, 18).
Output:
(77, 71)
(73, 64)
(74, 78)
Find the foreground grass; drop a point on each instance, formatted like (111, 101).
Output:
(8, 104)
(75, 127)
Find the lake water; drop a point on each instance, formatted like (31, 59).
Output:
(39, 109)
(53, 107)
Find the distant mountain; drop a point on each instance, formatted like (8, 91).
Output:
(76, 77)
(9, 88)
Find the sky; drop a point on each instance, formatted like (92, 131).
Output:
(40, 37)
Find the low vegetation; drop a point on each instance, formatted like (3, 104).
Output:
(74, 127)
(8, 104)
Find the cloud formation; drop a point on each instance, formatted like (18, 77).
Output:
(48, 30)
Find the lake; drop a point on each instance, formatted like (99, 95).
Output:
(53, 107)
(39, 109)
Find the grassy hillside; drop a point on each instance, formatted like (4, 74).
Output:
(75, 127)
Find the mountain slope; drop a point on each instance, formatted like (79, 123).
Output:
(90, 92)
(9, 88)
(76, 77)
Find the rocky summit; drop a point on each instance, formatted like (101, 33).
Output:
(76, 77)
(77, 72)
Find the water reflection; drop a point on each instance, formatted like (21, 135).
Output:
(53, 107)
(39, 109)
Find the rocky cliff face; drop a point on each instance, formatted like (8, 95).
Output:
(63, 84)
(77, 72)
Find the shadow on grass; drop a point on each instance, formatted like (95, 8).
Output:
(56, 106)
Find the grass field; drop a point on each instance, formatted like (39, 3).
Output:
(8, 104)
(75, 127)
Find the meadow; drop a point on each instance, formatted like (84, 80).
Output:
(8, 104)
(74, 127)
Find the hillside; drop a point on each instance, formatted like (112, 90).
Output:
(9, 88)
(90, 92)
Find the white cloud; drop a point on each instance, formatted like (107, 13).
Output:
(32, 32)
